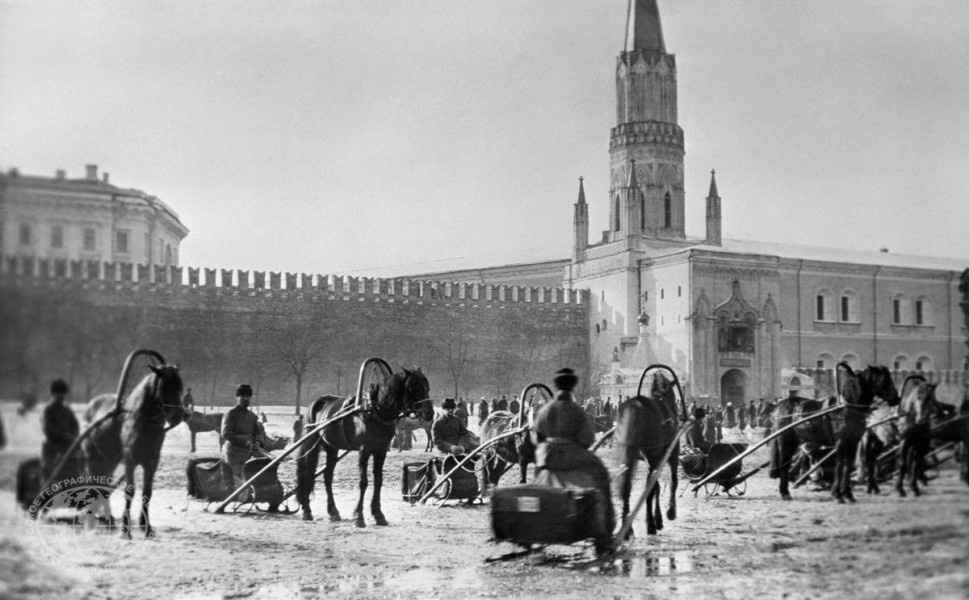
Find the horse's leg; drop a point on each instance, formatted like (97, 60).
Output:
(871, 450)
(364, 459)
(674, 463)
(192, 438)
(784, 455)
(378, 481)
(331, 460)
(626, 487)
(847, 459)
(129, 496)
(903, 465)
(652, 510)
(148, 477)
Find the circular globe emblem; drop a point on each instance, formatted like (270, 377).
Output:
(72, 524)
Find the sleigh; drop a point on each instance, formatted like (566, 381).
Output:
(557, 508)
(420, 477)
(699, 465)
(210, 479)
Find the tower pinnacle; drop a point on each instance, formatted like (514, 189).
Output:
(643, 28)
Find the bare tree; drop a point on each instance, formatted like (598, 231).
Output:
(299, 347)
(454, 348)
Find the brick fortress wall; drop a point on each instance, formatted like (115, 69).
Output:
(79, 320)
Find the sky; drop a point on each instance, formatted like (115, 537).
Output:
(379, 137)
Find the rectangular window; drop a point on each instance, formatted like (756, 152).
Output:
(898, 365)
(896, 311)
(662, 294)
(25, 234)
(820, 315)
(679, 291)
(147, 248)
(918, 366)
(90, 239)
(918, 313)
(122, 242)
(845, 313)
(56, 236)
(820, 364)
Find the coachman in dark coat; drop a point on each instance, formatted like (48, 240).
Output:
(563, 433)
(60, 430)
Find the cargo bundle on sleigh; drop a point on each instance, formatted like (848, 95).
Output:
(206, 480)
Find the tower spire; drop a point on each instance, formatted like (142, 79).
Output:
(713, 213)
(581, 191)
(713, 184)
(643, 28)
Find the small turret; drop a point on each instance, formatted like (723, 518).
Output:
(580, 227)
(713, 212)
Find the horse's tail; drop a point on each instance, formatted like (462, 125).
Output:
(191, 483)
(309, 457)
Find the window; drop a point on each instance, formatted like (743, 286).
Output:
(642, 213)
(597, 328)
(849, 307)
(901, 308)
(56, 236)
(900, 363)
(824, 307)
(851, 360)
(662, 294)
(147, 248)
(923, 312)
(604, 323)
(679, 291)
(924, 363)
(90, 239)
(25, 234)
(121, 242)
(616, 211)
(825, 361)
(168, 260)
(736, 336)
(668, 211)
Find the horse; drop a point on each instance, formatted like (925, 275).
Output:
(134, 435)
(647, 426)
(873, 443)
(514, 450)
(918, 405)
(952, 425)
(408, 425)
(844, 429)
(203, 423)
(368, 432)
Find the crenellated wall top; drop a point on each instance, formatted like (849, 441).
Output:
(236, 282)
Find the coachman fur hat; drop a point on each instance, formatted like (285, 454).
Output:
(565, 379)
(244, 390)
(59, 386)
(449, 404)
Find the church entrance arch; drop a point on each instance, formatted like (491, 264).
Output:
(732, 387)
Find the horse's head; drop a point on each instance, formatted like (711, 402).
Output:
(166, 392)
(882, 384)
(409, 392)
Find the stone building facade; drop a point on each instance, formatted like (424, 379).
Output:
(738, 319)
(62, 218)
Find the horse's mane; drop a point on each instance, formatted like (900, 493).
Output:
(497, 423)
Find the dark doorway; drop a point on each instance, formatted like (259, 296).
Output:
(732, 386)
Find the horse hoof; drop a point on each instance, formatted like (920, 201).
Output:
(380, 520)
(840, 499)
(150, 534)
(851, 499)
(901, 493)
(125, 534)
(335, 518)
(307, 516)
(360, 522)
(786, 497)
(671, 515)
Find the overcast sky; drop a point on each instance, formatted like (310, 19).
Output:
(356, 135)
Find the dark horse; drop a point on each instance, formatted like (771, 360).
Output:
(647, 426)
(514, 450)
(203, 423)
(918, 405)
(843, 428)
(134, 434)
(368, 432)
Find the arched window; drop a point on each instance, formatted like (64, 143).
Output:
(823, 309)
(923, 363)
(667, 211)
(923, 313)
(597, 328)
(852, 360)
(618, 379)
(168, 255)
(900, 363)
(26, 238)
(901, 310)
(616, 211)
(825, 361)
(604, 324)
(848, 307)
